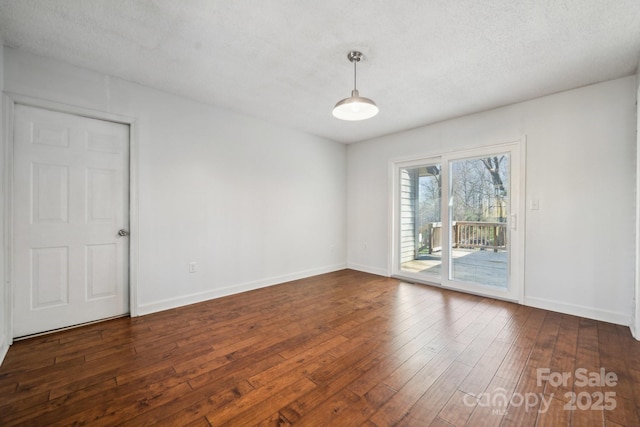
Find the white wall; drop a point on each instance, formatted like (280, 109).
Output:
(252, 203)
(579, 255)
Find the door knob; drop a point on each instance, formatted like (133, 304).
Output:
(123, 232)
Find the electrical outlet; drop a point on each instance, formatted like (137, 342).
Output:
(193, 267)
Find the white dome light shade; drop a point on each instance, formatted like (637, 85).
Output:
(355, 108)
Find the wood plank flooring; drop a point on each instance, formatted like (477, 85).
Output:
(340, 349)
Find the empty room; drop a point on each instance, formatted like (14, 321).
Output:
(363, 213)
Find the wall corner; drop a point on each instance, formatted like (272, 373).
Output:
(5, 332)
(635, 312)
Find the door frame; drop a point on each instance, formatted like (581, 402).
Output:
(518, 260)
(10, 100)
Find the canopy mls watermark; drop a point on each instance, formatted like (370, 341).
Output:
(500, 400)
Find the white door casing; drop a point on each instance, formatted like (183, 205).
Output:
(70, 199)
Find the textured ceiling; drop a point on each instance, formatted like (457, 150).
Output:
(285, 60)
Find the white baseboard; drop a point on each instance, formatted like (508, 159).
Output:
(579, 310)
(367, 269)
(635, 328)
(4, 348)
(180, 301)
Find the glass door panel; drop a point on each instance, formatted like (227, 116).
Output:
(420, 226)
(479, 195)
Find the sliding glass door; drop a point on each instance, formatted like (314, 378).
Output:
(455, 220)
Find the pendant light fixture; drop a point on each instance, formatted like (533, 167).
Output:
(355, 107)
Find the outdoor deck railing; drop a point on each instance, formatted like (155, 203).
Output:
(466, 234)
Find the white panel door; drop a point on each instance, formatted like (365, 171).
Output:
(70, 199)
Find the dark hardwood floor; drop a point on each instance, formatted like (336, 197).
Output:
(340, 349)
